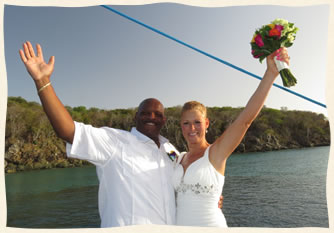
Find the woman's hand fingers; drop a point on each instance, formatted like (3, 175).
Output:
(282, 55)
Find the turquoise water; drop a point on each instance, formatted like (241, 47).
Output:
(273, 189)
(277, 189)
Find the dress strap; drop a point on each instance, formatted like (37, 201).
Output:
(206, 153)
(179, 158)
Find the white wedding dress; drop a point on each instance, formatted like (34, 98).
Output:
(197, 193)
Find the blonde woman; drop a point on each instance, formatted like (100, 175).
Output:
(199, 173)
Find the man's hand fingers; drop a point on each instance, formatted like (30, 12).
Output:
(26, 51)
(23, 57)
(31, 49)
(52, 61)
(39, 51)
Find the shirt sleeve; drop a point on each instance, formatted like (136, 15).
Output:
(96, 145)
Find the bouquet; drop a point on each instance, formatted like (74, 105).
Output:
(266, 40)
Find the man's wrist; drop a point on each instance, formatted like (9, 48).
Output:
(42, 82)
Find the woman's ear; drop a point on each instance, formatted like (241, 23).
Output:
(207, 123)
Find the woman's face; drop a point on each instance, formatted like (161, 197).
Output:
(194, 125)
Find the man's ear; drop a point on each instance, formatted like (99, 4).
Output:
(164, 120)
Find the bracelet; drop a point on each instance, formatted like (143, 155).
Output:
(42, 88)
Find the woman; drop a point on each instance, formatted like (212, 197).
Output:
(199, 173)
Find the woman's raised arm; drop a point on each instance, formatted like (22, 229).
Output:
(223, 147)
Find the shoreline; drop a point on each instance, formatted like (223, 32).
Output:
(11, 168)
(31, 143)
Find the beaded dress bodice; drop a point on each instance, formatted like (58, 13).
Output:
(197, 193)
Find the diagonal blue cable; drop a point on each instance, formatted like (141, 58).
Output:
(211, 56)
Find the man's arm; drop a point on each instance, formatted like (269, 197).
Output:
(40, 72)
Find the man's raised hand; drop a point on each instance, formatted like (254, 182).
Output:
(36, 65)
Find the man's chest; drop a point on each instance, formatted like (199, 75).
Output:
(145, 161)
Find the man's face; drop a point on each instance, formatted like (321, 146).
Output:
(150, 118)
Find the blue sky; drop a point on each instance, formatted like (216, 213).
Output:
(106, 61)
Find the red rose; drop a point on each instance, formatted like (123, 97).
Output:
(274, 32)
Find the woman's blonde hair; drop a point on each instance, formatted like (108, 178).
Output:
(194, 105)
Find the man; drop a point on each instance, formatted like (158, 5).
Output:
(134, 170)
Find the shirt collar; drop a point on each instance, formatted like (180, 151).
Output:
(144, 138)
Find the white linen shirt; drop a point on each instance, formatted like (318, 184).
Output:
(135, 176)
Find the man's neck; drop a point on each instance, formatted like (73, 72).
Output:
(157, 141)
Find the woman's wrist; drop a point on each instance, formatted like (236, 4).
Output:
(270, 74)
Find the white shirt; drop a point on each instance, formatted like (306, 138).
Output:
(135, 175)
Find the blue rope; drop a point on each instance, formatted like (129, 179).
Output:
(209, 55)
